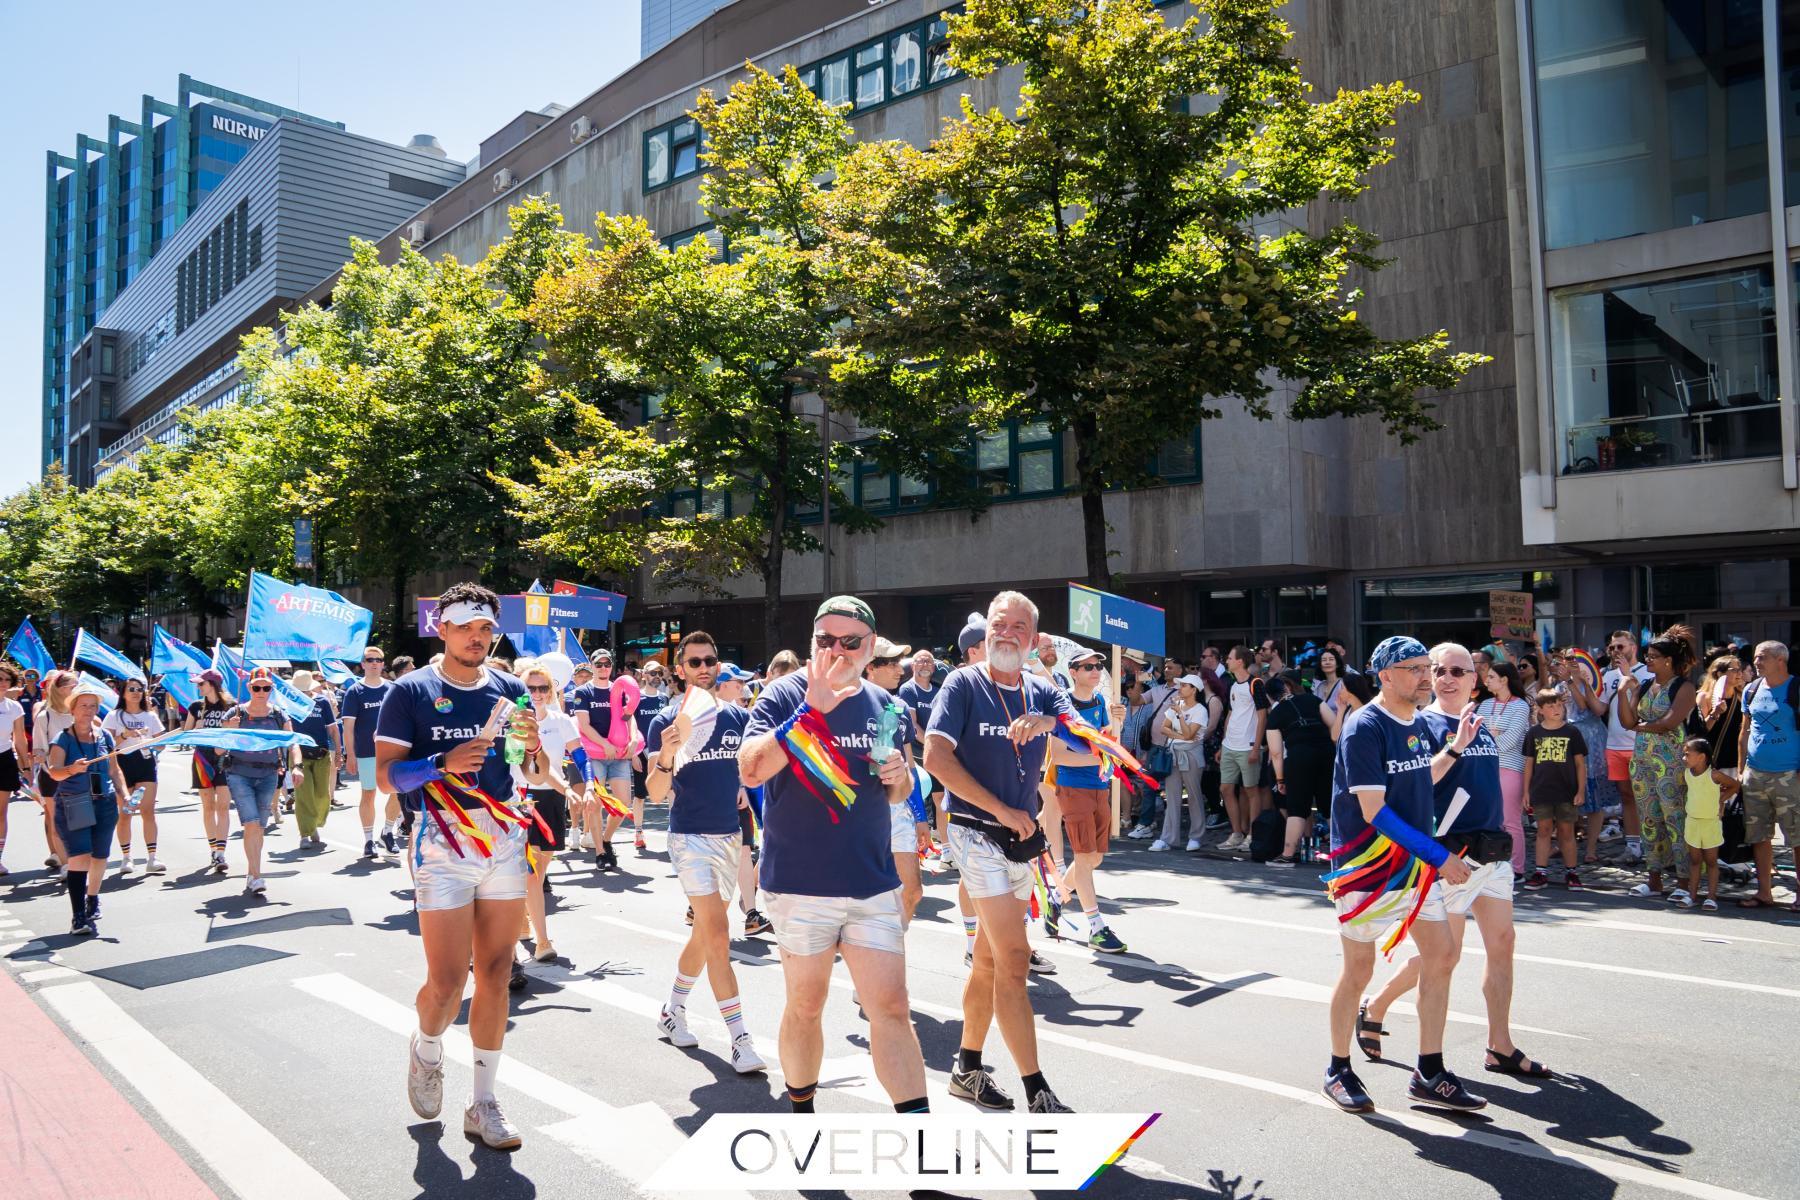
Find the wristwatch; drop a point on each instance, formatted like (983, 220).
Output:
(441, 761)
(1453, 752)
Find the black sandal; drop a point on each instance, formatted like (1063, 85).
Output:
(1368, 1034)
(1516, 1064)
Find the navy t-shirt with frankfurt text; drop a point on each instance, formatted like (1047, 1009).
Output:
(704, 798)
(973, 714)
(1379, 751)
(429, 714)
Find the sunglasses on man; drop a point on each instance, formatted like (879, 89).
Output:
(847, 641)
(695, 664)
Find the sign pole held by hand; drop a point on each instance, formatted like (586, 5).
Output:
(1122, 624)
(1118, 697)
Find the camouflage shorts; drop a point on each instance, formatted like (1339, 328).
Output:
(1771, 798)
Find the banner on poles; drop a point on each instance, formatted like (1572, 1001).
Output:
(28, 649)
(1103, 617)
(91, 650)
(616, 602)
(293, 621)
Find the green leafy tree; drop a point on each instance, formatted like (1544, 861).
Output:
(32, 522)
(1112, 256)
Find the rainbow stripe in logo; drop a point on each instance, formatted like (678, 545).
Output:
(1119, 1153)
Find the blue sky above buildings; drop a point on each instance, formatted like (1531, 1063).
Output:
(456, 69)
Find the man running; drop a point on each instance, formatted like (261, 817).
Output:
(435, 746)
(828, 877)
(1084, 795)
(704, 840)
(1382, 781)
(362, 710)
(983, 746)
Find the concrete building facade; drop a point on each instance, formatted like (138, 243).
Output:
(1546, 478)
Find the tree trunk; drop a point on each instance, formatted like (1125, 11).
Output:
(775, 554)
(400, 581)
(1093, 506)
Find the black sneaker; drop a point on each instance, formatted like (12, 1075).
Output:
(518, 981)
(390, 843)
(979, 1087)
(369, 850)
(1346, 1091)
(1444, 1091)
(755, 922)
(1039, 965)
(85, 928)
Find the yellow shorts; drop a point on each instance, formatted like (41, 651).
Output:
(1704, 833)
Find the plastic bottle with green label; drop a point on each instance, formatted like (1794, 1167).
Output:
(515, 746)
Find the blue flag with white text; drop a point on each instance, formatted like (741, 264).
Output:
(28, 649)
(110, 700)
(232, 739)
(293, 621)
(91, 650)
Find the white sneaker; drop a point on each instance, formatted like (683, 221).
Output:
(673, 1025)
(1193, 844)
(256, 885)
(1142, 833)
(1159, 844)
(483, 1119)
(424, 1082)
(1234, 842)
(125, 867)
(154, 868)
(744, 1057)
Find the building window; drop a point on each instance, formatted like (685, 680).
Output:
(834, 81)
(1667, 373)
(672, 153)
(884, 69)
(904, 57)
(871, 75)
(1178, 459)
(1650, 115)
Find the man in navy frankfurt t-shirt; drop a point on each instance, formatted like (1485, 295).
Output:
(362, 709)
(828, 878)
(1386, 762)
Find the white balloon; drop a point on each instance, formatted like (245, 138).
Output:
(560, 666)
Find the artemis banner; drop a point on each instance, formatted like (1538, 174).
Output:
(293, 621)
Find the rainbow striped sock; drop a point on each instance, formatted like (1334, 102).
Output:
(733, 1012)
(679, 993)
(969, 933)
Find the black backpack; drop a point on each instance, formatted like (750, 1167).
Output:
(1266, 834)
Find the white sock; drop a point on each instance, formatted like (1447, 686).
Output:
(1091, 920)
(487, 1065)
(431, 1049)
(368, 833)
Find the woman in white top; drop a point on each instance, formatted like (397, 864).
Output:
(551, 800)
(48, 722)
(1329, 686)
(1184, 721)
(14, 754)
(134, 721)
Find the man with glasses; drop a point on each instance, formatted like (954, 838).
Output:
(700, 783)
(361, 713)
(1084, 795)
(828, 878)
(608, 767)
(983, 745)
(1383, 782)
(1622, 650)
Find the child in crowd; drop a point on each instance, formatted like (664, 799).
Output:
(1555, 781)
(1705, 829)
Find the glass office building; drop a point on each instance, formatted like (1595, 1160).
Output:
(111, 205)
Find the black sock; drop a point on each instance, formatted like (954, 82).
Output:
(802, 1097)
(968, 1060)
(76, 886)
(1339, 1064)
(922, 1104)
(1034, 1083)
(1431, 1065)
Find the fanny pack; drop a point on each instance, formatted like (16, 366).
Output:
(1016, 849)
(313, 753)
(1480, 846)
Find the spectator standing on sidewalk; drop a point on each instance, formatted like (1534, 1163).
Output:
(1507, 716)
(1621, 742)
(1769, 746)
(1657, 714)
(1184, 720)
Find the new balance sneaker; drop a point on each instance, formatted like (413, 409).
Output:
(1444, 1090)
(978, 1087)
(424, 1082)
(1346, 1091)
(389, 842)
(744, 1058)
(1046, 1102)
(483, 1119)
(1106, 942)
(673, 1025)
(755, 922)
(1039, 964)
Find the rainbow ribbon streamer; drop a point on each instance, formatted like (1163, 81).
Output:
(1383, 871)
(1109, 750)
(447, 796)
(1040, 887)
(814, 755)
(608, 801)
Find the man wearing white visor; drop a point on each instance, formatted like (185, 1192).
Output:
(438, 745)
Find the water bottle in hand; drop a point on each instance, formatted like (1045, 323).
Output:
(886, 730)
(515, 746)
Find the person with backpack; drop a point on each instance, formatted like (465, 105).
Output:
(1301, 749)
(1769, 748)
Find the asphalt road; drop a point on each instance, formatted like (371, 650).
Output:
(264, 1039)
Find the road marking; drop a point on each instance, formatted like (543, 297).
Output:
(253, 1162)
(1767, 989)
(632, 1141)
(44, 974)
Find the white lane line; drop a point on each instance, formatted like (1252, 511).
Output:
(45, 974)
(632, 1141)
(253, 1162)
(1735, 985)
(1280, 987)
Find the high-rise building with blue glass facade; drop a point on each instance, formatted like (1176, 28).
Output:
(110, 206)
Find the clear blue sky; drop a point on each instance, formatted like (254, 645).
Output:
(387, 68)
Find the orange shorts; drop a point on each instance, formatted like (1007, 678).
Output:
(1086, 817)
(1618, 766)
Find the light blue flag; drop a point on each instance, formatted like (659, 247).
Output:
(289, 700)
(336, 672)
(293, 621)
(28, 649)
(230, 664)
(108, 701)
(230, 739)
(91, 650)
(181, 685)
(169, 653)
